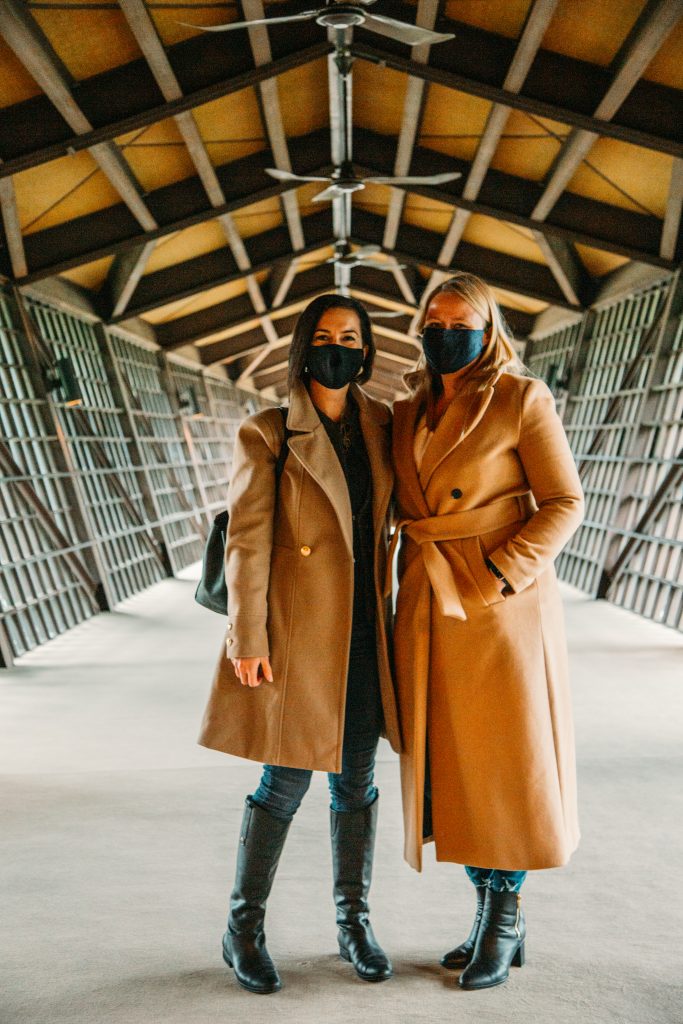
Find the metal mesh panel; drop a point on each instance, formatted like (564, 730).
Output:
(651, 580)
(550, 357)
(100, 450)
(163, 450)
(40, 596)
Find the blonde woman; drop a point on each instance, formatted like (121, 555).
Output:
(487, 495)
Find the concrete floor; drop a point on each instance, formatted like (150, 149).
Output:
(118, 840)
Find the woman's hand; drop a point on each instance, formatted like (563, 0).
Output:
(252, 671)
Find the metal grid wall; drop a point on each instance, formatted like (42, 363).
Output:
(40, 595)
(623, 420)
(100, 446)
(97, 502)
(160, 440)
(211, 437)
(649, 576)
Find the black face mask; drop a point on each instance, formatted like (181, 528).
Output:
(449, 350)
(334, 366)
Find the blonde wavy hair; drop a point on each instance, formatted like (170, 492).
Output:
(499, 352)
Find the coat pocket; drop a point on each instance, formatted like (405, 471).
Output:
(486, 583)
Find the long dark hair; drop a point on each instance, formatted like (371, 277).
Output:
(305, 329)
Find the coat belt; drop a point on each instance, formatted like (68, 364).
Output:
(471, 522)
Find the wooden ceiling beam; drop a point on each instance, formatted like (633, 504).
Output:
(503, 197)
(672, 220)
(531, 37)
(145, 32)
(127, 98)
(557, 87)
(12, 226)
(655, 23)
(32, 48)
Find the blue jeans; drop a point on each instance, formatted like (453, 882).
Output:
(281, 790)
(498, 881)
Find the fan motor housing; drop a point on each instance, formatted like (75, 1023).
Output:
(342, 16)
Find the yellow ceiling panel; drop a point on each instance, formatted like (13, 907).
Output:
(92, 275)
(185, 245)
(374, 198)
(528, 146)
(598, 262)
(16, 84)
(378, 97)
(260, 217)
(428, 214)
(638, 178)
(591, 30)
(667, 67)
(221, 293)
(169, 23)
(453, 122)
(157, 155)
(61, 190)
(304, 99)
(502, 237)
(506, 19)
(231, 126)
(88, 41)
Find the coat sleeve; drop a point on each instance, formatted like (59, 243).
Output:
(251, 507)
(554, 482)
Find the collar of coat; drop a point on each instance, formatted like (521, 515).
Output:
(406, 413)
(312, 447)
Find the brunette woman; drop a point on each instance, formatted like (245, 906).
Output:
(303, 683)
(488, 494)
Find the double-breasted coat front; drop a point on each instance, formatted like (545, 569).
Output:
(290, 577)
(482, 677)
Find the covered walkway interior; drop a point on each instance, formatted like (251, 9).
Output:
(119, 838)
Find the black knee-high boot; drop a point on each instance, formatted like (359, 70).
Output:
(353, 844)
(500, 942)
(459, 957)
(262, 838)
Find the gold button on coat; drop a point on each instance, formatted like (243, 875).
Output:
(230, 642)
(305, 550)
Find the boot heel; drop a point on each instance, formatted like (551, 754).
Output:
(226, 955)
(344, 954)
(519, 957)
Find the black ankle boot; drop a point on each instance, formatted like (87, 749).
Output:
(459, 957)
(353, 843)
(500, 942)
(244, 944)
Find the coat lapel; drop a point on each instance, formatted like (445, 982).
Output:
(312, 447)
(454, 427)
(405, 417)
(374, 424)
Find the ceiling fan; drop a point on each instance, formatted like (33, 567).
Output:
(343, 181)
(339, 15)
(343, 256)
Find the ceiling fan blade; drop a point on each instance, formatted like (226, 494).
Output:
(388, 314)
(333, 192)
(367, 250)
(419, 179)
(232, 25)
(275, 172)
(412, 35)
(377, 265)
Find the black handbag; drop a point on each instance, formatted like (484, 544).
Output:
(212, 592)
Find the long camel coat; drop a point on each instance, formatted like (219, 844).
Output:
(482, 678)
(289, 572)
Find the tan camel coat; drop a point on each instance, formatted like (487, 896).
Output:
(482, 678)
(289, 571)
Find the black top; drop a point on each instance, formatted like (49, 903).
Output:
(349, 444)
